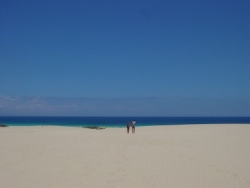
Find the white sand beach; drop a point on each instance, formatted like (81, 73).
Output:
(192, 156)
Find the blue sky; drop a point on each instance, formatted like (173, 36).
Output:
(124, 57)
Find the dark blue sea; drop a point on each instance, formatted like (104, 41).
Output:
(117, 121)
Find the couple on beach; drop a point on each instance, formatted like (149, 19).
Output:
(132, 124)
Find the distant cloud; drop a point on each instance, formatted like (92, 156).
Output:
(151, 106)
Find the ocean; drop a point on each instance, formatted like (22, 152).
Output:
(117, 121)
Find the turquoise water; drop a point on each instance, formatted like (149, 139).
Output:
(117, 121)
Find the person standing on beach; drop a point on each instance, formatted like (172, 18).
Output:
(133, 126)
(128, 125)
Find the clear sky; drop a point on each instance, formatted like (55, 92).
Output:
(125, 57)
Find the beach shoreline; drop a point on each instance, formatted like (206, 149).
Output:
(215, 155)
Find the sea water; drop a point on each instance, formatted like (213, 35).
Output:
(117, 121)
